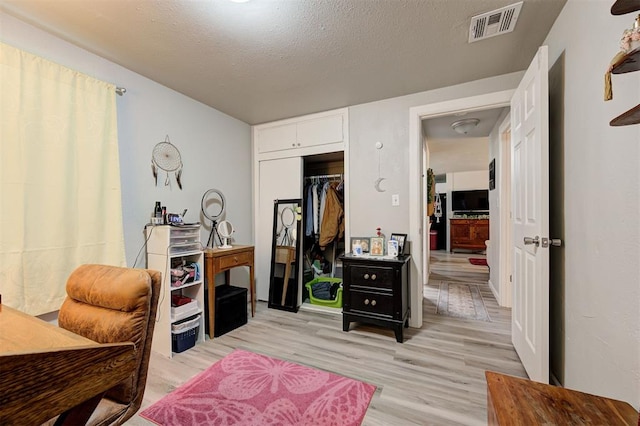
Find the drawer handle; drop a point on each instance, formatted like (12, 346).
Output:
(373, 276)
(366, 276)
(366, 301)
(373, 303)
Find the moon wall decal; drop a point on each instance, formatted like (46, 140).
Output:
(377, 184)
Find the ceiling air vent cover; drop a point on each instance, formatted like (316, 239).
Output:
(500, 21)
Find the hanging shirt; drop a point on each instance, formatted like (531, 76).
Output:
(316, 206)
(308, 219)
(323, 202)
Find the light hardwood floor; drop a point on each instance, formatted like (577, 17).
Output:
(436, 377)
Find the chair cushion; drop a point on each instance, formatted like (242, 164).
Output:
(109, 304)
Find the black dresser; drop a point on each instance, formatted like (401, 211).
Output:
(376, 291)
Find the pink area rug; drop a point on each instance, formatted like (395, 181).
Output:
(245, 388)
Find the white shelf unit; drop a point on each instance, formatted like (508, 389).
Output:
(168, 246)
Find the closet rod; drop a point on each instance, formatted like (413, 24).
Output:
(324, 176)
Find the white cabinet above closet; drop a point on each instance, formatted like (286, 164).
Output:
(308, 135)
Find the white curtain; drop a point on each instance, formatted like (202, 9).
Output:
(60, 203)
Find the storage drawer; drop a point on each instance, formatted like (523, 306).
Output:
(234, 260)
(371, 302)
(371, 276)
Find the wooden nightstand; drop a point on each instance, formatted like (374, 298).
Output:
(376, 291)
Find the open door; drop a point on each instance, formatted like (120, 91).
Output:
(530, 218)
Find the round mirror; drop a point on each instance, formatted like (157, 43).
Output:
(225, 229)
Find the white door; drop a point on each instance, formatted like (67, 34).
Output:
(279, 180)
(530, 218)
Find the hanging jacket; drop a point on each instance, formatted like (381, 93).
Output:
(333, 218)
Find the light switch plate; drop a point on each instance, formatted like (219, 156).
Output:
(395, 200)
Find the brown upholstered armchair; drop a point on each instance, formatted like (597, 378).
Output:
(110, 304)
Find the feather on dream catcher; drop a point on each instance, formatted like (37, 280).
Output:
(166, 157)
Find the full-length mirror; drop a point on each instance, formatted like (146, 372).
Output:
(283, 288)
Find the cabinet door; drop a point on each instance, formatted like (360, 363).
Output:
(279, 179)
(460, 232)
(320, 131)
(276, 138)
(480, 232)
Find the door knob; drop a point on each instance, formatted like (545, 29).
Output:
(529, 241)
(546, 242)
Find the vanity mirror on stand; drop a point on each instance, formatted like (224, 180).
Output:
(283, 287)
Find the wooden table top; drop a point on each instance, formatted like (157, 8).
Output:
(217, 252)
(517, 401)
(47, 370)
(20, 333)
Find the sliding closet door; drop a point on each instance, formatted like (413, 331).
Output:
(278, 179)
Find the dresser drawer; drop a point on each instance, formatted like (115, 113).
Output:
(371, 276)
(234, 260)
(371, 302)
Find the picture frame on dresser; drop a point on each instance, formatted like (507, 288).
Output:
(401, 239)
(377, 246)
(363, 241)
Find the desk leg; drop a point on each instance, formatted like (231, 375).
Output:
(252, 290)
(211, 282)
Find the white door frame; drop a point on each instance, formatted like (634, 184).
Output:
(417, 175)
(504, 250)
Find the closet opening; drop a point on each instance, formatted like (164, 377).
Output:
(323, 231)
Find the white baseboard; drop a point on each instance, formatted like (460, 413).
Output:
(494, 291)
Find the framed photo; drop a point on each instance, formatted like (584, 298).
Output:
(492, 174)
(377, 246)
(392, 248)
(401, 239)
(363, 241)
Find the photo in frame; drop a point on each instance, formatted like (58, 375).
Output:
(362, 241)
(392, 248)
(401, 239)
(377, 246)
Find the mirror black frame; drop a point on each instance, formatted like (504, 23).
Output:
(284, 296)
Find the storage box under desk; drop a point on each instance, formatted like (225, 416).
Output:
(230, 309)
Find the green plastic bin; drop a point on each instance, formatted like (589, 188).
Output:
(337, 303)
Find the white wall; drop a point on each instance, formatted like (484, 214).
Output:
(387, 121)
(467, 181)
(215, 148)
(602, 206)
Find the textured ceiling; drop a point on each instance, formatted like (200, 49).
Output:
(270, 59)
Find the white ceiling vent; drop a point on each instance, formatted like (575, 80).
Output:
(500, 21)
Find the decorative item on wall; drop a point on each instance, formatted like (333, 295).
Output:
(431, 192)
(380, 179)
(492, 174)
(438, 208)
(166, 157)
(213, 206)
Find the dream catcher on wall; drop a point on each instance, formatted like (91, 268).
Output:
(213, 207)
(166, 158)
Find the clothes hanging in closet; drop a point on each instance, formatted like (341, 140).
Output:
(324, 212)
(332, 226)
